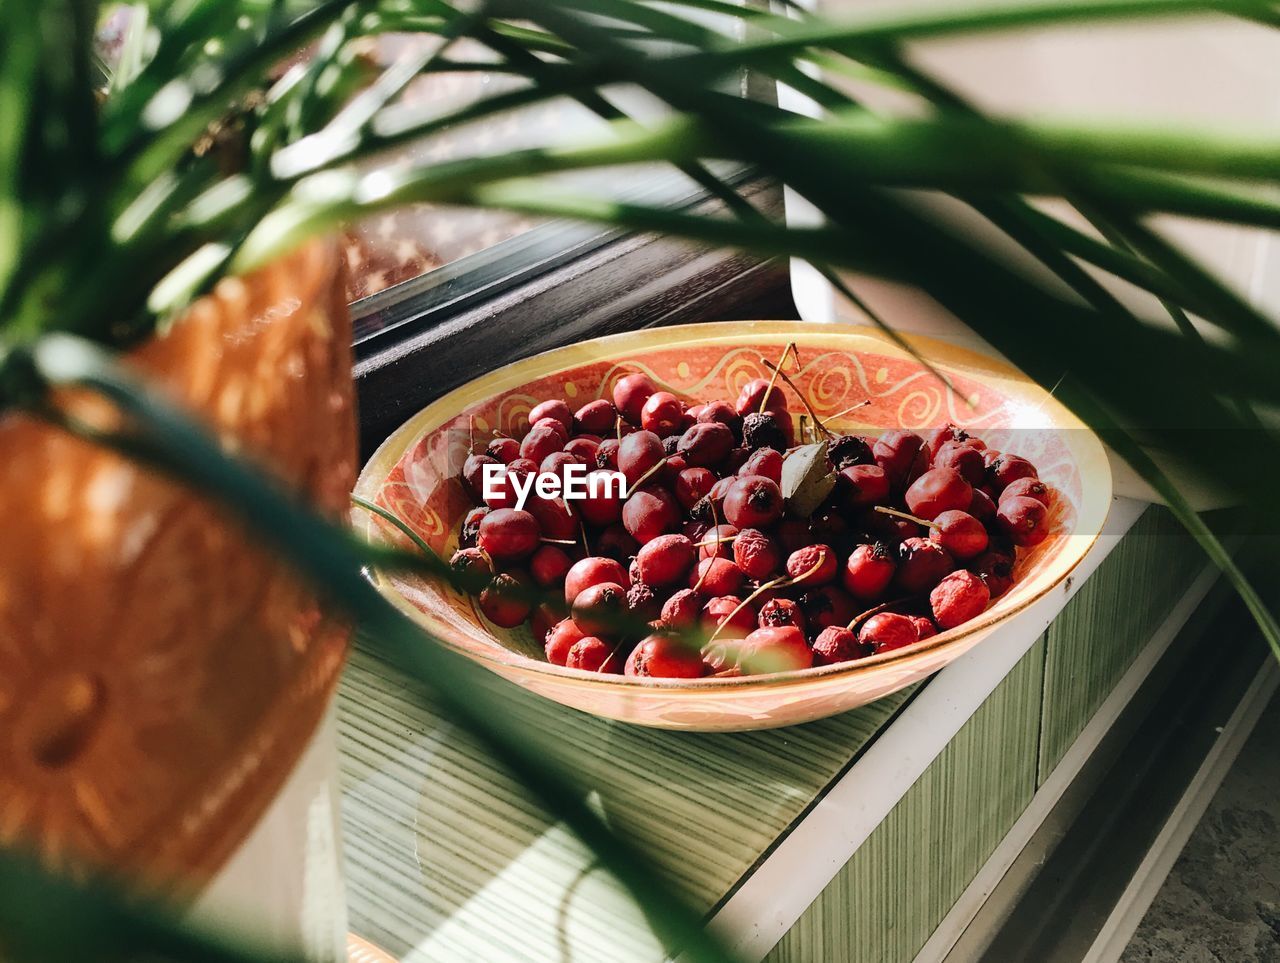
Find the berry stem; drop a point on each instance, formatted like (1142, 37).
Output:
(781, 580)
(617, 427)
(714, 541)
(471, 434)
(643, 478)
(875, 610)
(908, 516)
(840, 414)
(803, 400)
(609, 657)
(559, 541)
(791, 346)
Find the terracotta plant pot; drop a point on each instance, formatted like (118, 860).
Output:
(159, 674)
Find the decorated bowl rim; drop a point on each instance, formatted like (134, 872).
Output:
(1096, 494)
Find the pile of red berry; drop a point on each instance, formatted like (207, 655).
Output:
(718, 559)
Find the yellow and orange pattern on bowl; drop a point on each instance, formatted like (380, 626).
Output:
(416, 475)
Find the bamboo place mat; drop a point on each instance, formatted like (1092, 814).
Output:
(448, 859)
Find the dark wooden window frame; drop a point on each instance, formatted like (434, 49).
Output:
(421, 346)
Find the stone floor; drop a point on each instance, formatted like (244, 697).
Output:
(1221, 902)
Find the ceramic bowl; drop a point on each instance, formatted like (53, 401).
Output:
(416, 475)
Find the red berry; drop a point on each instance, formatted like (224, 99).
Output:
(719, 541)
(752, 395)
(593, 570)
(596, 417)
(507, 600)
(522, 466)
(868, 571)
(555, 518)
(1029, 487)
(560, 640)
(549, 565)
(502, 492)
(948, 433)
(753, 502)
(1006, 469)
(794, 534)
(958, 598)
(960, 534)
(705, 444)
(649, 513)
(630, 394)
(936, 491)
(607, 454)
(996, 570)
(720, 611)
(552, 424)
(963, 459)
(507, 534)
(1023, 519)
(556, 409)
(593, 654)
(615, 542)
(922, 564)
(665, 560)
(888, 631)
(683, 609)
(829, 525)
(662, 413)
(780, 611)
(583, 448)
(672, 469)
(473, 473)
(902, 455)
(863, 485)
(720, 491)
(982, 507)
(812, 566)
(885, 528)
(603, 504)
(638, 453)
(780, 649)
(545, 617)
(721, 412)
(692, 485)
(473, 568)
(600, 609)
(718, 576)
(925, 628)
(662, 657)
(827, 605)
(763, 461)
(835, 644)
(505, 450)
(736, 459)
(471, 526)
(542, 440)
(758, 555)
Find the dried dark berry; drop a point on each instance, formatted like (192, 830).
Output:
(643, 602)
(848, 450)
(763, 430)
